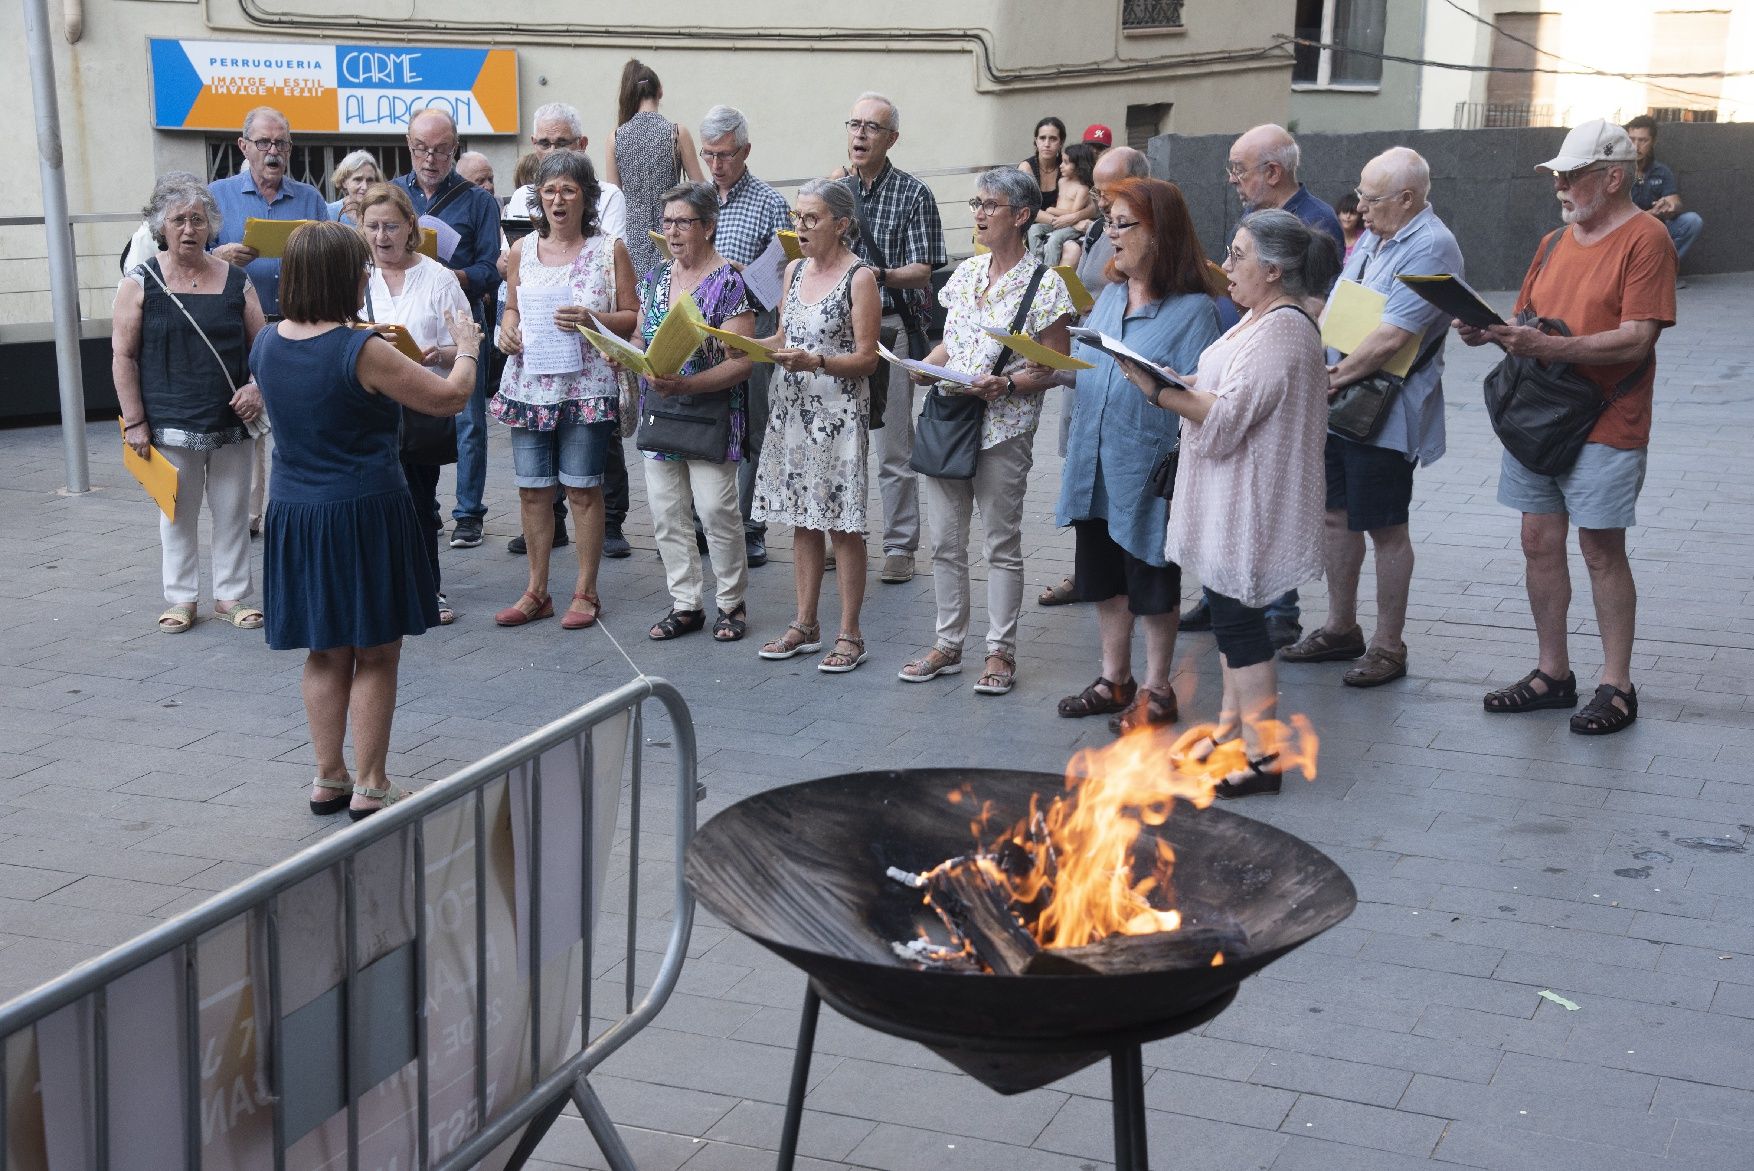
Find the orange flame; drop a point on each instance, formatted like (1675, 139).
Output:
(1082, 868)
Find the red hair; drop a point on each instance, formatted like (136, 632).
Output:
(1178, 265)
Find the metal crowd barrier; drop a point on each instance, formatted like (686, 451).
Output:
(402, 994)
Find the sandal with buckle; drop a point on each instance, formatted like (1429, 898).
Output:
(446, 614)
(1256, 778)
(1063, 594)
(839, 662)
(1148, 709)
(387, 796)
(1600, 717)
(1092, 702)
(516, 615)
(677, 623)
(808, 643)
(330, 805)
(241, 616)
(998, 682)
(1521, 697)
(177, 619)
(733, 626)
(1216, 735)
(935, 662)
(580, 619)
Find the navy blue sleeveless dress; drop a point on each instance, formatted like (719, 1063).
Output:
(342, 560)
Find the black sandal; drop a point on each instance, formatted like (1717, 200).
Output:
(1092, 702)
(1600, 717)
(677, 623)
(1148, 708)
(1257, 779)
(733, 626)
(1520, 697)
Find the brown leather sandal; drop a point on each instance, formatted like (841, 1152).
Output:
(1093, 702)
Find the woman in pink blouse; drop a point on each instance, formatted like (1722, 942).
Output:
(1249, 491)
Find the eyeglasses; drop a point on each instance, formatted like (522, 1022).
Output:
(421, 151)
(277, 145)
(1236, 170)
(1372, 200)
(1570, 178)
(806, 220)
(551, 143)
(681, 221)
(987, 206)
(1119, 226)
(720, 156)
(1237, 255)
(858, 124)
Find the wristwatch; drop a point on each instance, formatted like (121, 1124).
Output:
(882, 276)
(1156, 395)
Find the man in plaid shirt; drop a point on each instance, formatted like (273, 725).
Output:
(899, 213)
(750, 212)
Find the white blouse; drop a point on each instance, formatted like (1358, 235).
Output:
(429, 290)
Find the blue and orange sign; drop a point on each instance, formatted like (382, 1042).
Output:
(330, 89)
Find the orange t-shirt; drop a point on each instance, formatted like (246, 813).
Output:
(1629, 275)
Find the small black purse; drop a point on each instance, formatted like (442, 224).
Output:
(1160, 480)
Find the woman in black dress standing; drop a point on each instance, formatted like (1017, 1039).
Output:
(344, 573)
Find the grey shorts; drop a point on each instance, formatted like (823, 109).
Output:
(1599, 492)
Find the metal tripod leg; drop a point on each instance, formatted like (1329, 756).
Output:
(1127, 1087)
(800, 1077)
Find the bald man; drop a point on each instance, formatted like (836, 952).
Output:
(1370, 482)
(438, 190)
(475, 167)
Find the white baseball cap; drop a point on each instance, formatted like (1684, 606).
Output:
(1595, 141)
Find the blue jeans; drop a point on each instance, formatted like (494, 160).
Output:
(1683, 230)
(472, 447)
(1285, 606)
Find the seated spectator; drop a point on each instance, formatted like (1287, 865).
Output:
(1351, 220)
(1074, 211)
(351, 177)
(1044, 164)
(1654, 188)
(1099, 137)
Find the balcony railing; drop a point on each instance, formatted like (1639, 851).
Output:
(1495, 115)
(1149, 14)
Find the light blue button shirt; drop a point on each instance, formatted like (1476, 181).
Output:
(1117, 436)
(1424, 246)
(239, 200)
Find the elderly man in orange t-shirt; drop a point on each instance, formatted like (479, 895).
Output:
(1610, 276)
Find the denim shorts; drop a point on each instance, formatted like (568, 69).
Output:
(1372, 485)
(1600, 491)
(573, 454)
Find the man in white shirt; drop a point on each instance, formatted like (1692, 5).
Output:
(559, 127)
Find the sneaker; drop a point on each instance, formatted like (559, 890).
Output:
(517, 546)
(615, 545)
(755, 546)
(466, 534)
(1198, 618)
(897, 568)
(1282, 632)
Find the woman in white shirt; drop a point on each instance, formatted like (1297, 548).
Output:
(415, 292)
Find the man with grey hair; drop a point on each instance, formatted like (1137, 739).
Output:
(263, 191)
(557, 126)
(1370, 481)
(1262, 169)
(902, 237)
(477, 169)
(750, 214)
(1609, 275)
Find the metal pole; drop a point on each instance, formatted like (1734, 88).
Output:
(63, 269)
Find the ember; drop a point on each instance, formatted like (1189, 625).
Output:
(1079, 887)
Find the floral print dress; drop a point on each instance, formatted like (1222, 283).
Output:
(720, 296)
(812, 472)
(542, 401)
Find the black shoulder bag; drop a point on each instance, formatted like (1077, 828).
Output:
(1358, 411)
(1544, 414)
(947, 435)
(689, 426)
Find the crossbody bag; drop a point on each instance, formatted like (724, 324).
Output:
(257, 427)
(1359, 409)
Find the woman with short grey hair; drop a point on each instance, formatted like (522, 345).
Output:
(182, 327)
(351, 178)
(1002, 288)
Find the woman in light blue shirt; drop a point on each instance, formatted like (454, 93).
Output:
(1159, 308)
(353, 175)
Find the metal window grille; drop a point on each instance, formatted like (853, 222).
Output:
(1136, 14)
(1493, 115)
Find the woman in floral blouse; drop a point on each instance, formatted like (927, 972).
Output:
(985, 292)
(562, 424)
(676, 485)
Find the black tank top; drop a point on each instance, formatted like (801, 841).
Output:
(1049, 195)
(183, 387)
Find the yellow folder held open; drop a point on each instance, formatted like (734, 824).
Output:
(677, 337)
(1353, 313)
(268, 237)
(748, 345)
(1081, 298)
(156, 474)
(396, 335)
(1031, 350)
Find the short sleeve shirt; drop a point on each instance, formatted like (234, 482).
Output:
(239, 201)
(1629, 275)
(904, 219)
(971, 307)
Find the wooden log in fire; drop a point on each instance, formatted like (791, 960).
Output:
(977, 906)
(1193, 945)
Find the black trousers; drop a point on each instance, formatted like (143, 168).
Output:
(423, 486)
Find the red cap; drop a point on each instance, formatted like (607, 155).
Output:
(1099, 135)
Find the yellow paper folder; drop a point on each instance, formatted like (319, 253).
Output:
(1081, 298)
(789, 241)
(1031, 350)
(396, 335)
(678, 336)
(1353, 312)
(748, 345)
(1217, 280)
(661, 244)
(156, 474)
(268, 237)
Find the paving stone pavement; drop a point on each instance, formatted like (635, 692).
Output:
(1494, 857)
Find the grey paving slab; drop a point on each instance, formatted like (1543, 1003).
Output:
(1495, 857)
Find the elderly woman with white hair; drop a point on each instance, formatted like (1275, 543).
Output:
(182, 327)
(1001, 289)
(351, 178)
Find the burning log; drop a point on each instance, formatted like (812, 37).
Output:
(1193, 945)
(971, 896)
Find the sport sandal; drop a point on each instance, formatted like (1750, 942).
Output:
(388, 796)
(330, 805)
(935, 662)
(839, 662)
(998, 682)
(1258, 777)
(808, 642)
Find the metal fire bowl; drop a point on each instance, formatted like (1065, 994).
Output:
(801, 870)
